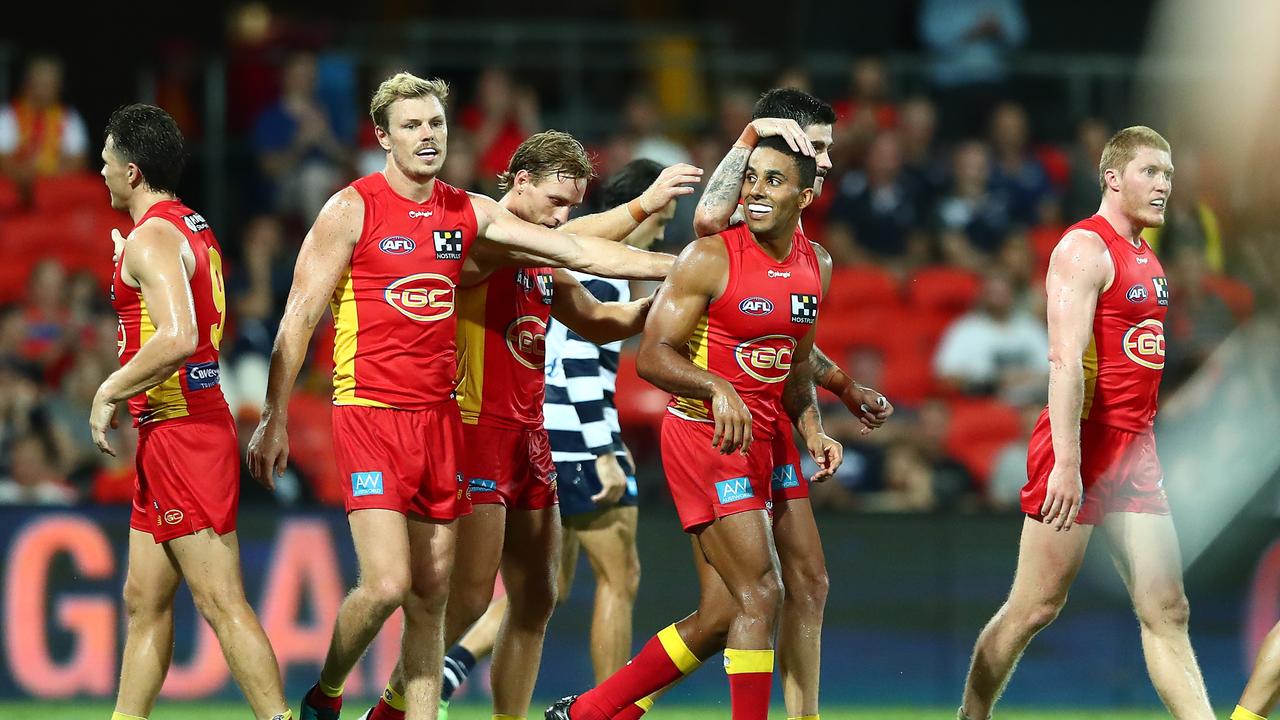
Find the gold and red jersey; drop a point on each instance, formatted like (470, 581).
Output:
(194, 390)
(749, 334)
(1125, 357)
(394, 308)
(502, 328)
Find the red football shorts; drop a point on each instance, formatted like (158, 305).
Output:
(706, 485)
(402, 460)
(786, 480)
(188, 477)
(1120, 470)
(512, 468)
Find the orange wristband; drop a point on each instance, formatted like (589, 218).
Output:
(637, 211)
(748, 138)
(837, 381)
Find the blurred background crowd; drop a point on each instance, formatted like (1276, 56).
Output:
(968, 139)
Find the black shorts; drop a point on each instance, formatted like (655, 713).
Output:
(577, 482)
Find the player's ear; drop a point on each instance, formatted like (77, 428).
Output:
(1111, 177)
(806, 197)
(384, 140)
(133, 174)
(521, 180)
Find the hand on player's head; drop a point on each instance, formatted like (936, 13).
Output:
(786, 129)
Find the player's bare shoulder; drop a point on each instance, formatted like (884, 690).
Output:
(1082, 257)
(702, 266)
(342, 217)
(147, 242)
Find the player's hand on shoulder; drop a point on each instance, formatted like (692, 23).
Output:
(671, 183)
(268, 453)
(732, 419)
(788, 130)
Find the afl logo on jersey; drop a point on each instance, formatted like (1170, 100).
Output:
(768, 358)
(1137, 293)
(1144, 344)
(527, 341)
(425, 297)
(397, 245)
(756, 306)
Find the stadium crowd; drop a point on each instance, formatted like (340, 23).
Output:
(940, 217)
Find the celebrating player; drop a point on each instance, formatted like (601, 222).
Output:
(170, 295)
(389, 251)
(730, 328)
(1092, 458)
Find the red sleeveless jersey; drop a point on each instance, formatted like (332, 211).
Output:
(1125, 357)
(393, 310)
(749, 333)
(502, 328)
(194, 390)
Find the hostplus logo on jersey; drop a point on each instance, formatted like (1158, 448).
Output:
(448, 244)
(733, 490)
(397, 245)
(544, 282)
(1162, 290)
(366, 483)
(804, 308)
(195, 222)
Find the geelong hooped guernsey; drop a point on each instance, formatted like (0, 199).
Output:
(748, 335)
(502, 328)
(193, 391)
(1125, 357)
(394, 309)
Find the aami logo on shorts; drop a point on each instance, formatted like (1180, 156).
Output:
(173, 517)
(201, 376)
(527, 341)
(756, 306)
(733, 490)
(1137, 293)
(1144, 344)
(768, 358)
(397, 245)
(425, 297)
(366, 483)
(784, 476)
(482, 485)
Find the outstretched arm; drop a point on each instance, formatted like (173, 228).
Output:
(1079, 269)
(504, 239)
(154, 259)
(618, 222)
(599, 322)
(324, 257)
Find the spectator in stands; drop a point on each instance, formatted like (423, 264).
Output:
(970, 41)
(32, 478)
(258, 288)
(996, 349)
(862, 474)
(301, 156)
(920, 475)
(972, 220)
(19, 402)
(1015, 173)
(40, 136)
(1083, 193)
(45, 315)
(921, 160)
(502, 116)
(1009, 473)
(643, 121)
(1198, 320)
(866, 111)
(876, 216)
(65, 412)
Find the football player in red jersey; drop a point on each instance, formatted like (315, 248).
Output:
(729, 337)
(388, 251)
(169, 292)
(1092, 457)
(502, 318)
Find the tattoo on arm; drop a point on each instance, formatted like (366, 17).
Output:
(725, 184)
(821, 366)
(799, 398)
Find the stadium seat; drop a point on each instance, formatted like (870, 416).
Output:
(70, 192)
(860, 286)
(639, 403)
(1237, 296)
(979, 428)
(10, 198)
(943, 288)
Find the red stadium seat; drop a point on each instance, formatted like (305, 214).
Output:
(83, 191)
(10, 198)
(979, 429)
(860, 286)
(943, 288)
(1237, 296)
(638, 402)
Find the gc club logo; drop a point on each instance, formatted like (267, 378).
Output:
(425, 297)
(397, 245)
(527, 341)
(1144, 344)
(767, 358)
